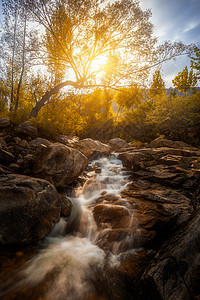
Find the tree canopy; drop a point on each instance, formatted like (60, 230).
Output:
(79, 32)
(185, 81)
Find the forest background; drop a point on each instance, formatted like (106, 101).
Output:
(83, 67)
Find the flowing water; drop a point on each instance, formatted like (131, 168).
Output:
(67, 262)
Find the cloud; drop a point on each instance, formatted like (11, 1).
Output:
(173, 19)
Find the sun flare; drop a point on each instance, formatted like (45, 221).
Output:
(98, 63)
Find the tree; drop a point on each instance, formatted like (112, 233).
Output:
(83, 30)
(195, 61)
(18, 48)
(185, 81)
(158, 85)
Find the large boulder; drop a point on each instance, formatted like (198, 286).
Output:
(162, 142)
(92, 148)
(29, 207)
(134, 160)
(175, 271)
(38, 143)
(59, 164)
(118, 144)
(27, 129)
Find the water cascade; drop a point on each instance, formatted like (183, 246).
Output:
(76, 247)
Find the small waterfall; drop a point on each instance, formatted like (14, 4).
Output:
(71, 252)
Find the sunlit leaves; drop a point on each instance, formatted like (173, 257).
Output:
(158, 86)
(195, 61)
(185, 81)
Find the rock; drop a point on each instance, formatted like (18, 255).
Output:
(162, 142)
(136, 144)
(6, 157)
(174, 272)
(29, 207)
(172, 176)
(92, 149)
(16, 140)
(117, 144)
(38, 143)
(66, 205)
(123, 281)
(4, 123)
(59, 164)
(14, 167)
(116, 216)
(134, 160)
(27, 163)
(27, 129)
(67, 140)
(24, 144)
(3, 143)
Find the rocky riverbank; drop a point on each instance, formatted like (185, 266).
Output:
(157, 213)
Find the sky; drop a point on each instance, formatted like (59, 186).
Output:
(174, 20)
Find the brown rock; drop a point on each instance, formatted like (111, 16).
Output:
(6, 157)
(91, 148)
(38, 143)
(67, 140)
(174, 273)
(27, 129)
(29, 207)
(59, 164)
(117, 144)
(66, 205)
(4, 123)
(162, 142)
(134, 160)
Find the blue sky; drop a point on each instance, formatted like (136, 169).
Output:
(174, 20)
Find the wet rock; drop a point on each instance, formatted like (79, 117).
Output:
(116, 216)
(29, 207)
(27, 129)
(66, 205)
(59, 164)
(92, 149)
(117, 144)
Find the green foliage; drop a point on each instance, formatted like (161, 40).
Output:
(129, 98)
(157, 88)
(195, 61)
(185, 81)
(177, 117)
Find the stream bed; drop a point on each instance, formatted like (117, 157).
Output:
(71, 262)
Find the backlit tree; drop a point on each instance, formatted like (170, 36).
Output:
(83, 31)
(185, 81)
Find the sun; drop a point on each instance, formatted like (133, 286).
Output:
(98, 63)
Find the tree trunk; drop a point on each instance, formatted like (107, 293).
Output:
(48, 94)
(12, 62)
(23, 67)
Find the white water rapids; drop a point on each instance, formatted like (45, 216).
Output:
(69, 260)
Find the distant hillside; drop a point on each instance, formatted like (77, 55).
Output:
(180, 93)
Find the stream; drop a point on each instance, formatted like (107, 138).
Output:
(72, 255)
